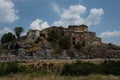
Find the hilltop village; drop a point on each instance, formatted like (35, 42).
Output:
(77, 34)
(57, 42)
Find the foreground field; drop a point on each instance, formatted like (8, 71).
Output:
(61, 70)
(57, 77)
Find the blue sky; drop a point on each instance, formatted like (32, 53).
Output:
(102, 16)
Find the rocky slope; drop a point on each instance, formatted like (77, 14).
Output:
(45, 51)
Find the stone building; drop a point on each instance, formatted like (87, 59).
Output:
(78, 28)
(32, 35)
(80, 34)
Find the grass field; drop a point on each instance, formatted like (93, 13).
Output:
(57, 77)
(52, 69)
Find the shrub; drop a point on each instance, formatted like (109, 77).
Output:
(78, 46)
(71, 54)
(79, 68)
(110, 67)
(11, 68)
(86, 68)
(7, 37)
(64, 42)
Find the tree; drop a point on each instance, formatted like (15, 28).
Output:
(57, 50)
(53, 36)
(18, 31)
(78, 46)
(64, 42)
(7, 37)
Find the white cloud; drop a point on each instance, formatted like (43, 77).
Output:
(73, 12)
(94, 16)
(73, 16)
(24, 33)
(56, 8)
(39, 24)
(6, 30)
(110, 34)
(7, 11)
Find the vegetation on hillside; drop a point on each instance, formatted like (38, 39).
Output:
(74, 69)
(58, 41)
(18, 31)
(7, 37)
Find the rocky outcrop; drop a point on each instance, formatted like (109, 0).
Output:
(46, 53)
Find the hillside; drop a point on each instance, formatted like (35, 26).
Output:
(74, 42)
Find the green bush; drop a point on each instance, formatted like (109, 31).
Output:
(7, 37)
(11, 68)
(86, 68)
(79, 68)
(78, 46)
(74, 69)
(70, 54)
(64, 42)
(110, 67)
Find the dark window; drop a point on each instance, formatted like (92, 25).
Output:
(73, 38)
(73, 42)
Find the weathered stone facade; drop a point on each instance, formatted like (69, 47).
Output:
(32, 35)
(80, 34)
(78, 28)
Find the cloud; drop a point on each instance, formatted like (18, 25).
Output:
(108, 34)
(39, 24)
(20, 1)
(24, 33)
(6, 30)
(7, 11)
(73, 16)
(94, 16)
(56, 8)
(80, 0)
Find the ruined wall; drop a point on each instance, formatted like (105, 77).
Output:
(77, 37)
(32, 35)
(78, 28)
(84, 37)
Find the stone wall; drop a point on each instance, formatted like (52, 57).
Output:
(32, 35)
(78, 28)
(82, 37)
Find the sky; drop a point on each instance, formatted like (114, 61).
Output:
(101, 16)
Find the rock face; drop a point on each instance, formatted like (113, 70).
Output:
(46, 53)
(102, 51)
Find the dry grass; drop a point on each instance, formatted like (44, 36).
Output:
(62, 62)
(57, 77)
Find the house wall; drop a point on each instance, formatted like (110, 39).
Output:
(78, 28)
(83, 37)
(32, 35)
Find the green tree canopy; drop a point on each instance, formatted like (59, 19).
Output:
(53, 36)
(64, 42)
(7, 37)
(18, 31)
